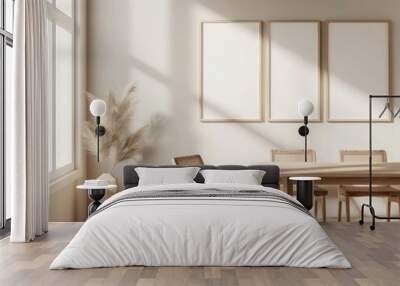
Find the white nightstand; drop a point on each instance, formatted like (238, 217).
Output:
(95, 194)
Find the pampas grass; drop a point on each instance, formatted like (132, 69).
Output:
(119, 143)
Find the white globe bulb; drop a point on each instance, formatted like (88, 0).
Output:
(305, 108)
(98, 107)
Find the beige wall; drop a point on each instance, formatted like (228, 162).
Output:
(157, 44)
(66, 203)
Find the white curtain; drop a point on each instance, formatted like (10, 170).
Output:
(27, 151)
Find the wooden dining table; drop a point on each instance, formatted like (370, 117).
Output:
(340, 173)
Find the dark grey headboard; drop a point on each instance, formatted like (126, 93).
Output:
(271, 177)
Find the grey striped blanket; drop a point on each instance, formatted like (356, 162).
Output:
(206, 194)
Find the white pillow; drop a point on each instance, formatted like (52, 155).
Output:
(248, 177)
(165, 176)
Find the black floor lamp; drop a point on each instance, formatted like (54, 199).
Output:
(369, 205)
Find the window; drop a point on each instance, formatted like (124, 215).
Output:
(60, 26)
(6, 60)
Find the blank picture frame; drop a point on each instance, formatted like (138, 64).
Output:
(231, 71)
(295, 69)
(358, 65)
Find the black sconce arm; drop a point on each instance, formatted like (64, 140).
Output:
(99, 131)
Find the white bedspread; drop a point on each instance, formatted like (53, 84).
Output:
(200, 231)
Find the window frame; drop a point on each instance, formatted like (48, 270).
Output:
(59, 18)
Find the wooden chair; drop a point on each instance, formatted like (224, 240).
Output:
(345, 192)
(298, 156)
(394, 199)
(190, 160)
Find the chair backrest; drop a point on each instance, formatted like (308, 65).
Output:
(362, 156)
(190, 160)
(293, 155)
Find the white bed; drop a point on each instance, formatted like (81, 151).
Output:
(185, 230)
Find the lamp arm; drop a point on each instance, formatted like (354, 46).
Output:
(98, 137)
(98, 146)
(305, 138)
(99, 131)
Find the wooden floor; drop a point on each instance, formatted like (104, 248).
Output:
(375, 257)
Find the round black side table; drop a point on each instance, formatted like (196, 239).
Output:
(305, 190)
(96, 194)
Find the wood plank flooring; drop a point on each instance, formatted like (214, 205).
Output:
(375, 257)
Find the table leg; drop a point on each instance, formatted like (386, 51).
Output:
(96, 195)
(287, 186)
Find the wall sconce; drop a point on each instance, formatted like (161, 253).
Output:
(305, 108)
(98, 108)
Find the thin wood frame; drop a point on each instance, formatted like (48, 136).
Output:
(261, 117)
(375, 153)
(327, 64)
(311, 154)
(320, 104)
